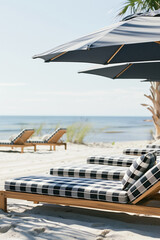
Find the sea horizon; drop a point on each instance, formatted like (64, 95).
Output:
(103, 128)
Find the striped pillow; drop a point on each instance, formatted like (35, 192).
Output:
(137, 169)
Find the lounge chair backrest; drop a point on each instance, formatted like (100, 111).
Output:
(21, 137)
(149, 179)
(56, 135)
(137, 169)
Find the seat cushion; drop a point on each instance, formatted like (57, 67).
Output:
(150, 178)
(137, 169)
(136, 151)
(90, 171)
(124, 161)
(83, 188)
(153, 146)
(5, 142)
(35, 140)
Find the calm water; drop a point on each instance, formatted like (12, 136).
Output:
(104, 129)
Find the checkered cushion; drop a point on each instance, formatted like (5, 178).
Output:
(90, 171)
(151, 177)
(5, 142)
(124, 161)
(35, 140)
(83, 188)
(153, 146)
(137, 169)
(20, 134)
(136, 151)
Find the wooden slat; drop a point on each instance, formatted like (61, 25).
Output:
(125, 69)
(57, 136)
(108, 61)
(23, 138)
(149, 193)
(140, 209)
(57, 56)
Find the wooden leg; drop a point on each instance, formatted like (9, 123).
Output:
(35, 148)
(3, 202)
(22, 149)
(54, 147)
(35, 202)
(50, 147)
(65, 146)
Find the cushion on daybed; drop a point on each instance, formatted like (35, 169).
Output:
(136, 151)
(153, 146)
(83, 188)
(90, 171)
(137, 169)
(124, 161)
(151, 177)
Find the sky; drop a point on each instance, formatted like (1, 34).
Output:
(32, 87)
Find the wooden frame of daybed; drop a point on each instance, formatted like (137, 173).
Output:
(49, 144)
(20, 142)
(139, 206)
(53, 141)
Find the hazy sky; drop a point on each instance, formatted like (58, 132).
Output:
(32, 87)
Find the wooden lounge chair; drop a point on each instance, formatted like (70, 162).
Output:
(19, 140)
(52, 139)
(142, 197)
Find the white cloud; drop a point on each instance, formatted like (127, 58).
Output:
(16, 84)
(94, 93)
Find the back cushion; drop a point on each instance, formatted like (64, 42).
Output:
(150, 178)
(45, 137)
(12, 137)
(137, 169)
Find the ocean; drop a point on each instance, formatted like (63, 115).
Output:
(103, 129)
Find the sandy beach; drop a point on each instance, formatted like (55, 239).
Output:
(26, 220)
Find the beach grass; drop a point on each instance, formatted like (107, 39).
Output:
(77, 132)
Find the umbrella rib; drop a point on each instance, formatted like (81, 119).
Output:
(123, 71)
(114, 54)
(57, 56)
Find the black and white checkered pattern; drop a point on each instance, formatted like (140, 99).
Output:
(137, 169)
(136, 151)
(123, 161)
(20, 134)
(35, 140)
(90, 171)
(83, 188)
(5, 142)
(153, 146)
(150, 178)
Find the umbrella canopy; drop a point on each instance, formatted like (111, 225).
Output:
(136, 38)
(139, 70)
